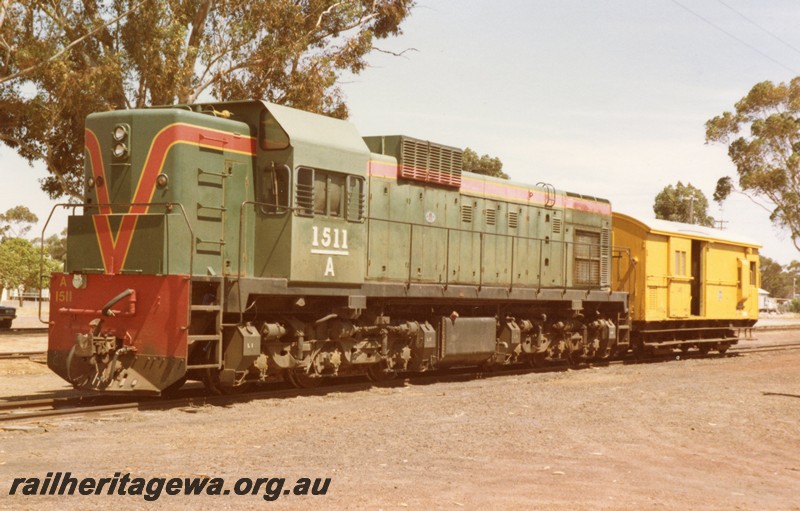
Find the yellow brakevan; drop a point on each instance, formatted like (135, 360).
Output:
(689, 285)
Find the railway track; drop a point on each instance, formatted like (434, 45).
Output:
(769, 347)
(23, 354)
(35, 409)
(22, 331)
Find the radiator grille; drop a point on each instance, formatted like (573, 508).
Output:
(587, 258)
(432, 163)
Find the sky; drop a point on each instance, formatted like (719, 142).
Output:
(600, 97)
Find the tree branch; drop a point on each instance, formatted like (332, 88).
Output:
(357, 23)
(71, 45)
(401, 54)
(203, 86)
(3, 10)
(198, 25)
(324, 13)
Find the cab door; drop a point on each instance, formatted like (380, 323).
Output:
(680, 280)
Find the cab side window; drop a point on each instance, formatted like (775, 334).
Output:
(321, 192)
(356, 200)
(304, 191)
(273, 187)
(271, 136)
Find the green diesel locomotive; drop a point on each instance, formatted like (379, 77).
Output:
(246, 241)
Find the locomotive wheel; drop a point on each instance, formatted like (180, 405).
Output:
(212, 384)
(536, 359)
(301, 380)
(723, 347)
(79, 371)
(704, 348)
(574, 358)
(377, 373)
(211, 381)
(638, 350)
(173, 389)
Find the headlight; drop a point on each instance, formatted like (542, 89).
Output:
(120, 151)
(120, 132)
(90, 182)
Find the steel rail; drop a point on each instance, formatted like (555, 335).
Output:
(62, 406)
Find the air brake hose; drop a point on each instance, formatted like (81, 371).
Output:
(107, 309)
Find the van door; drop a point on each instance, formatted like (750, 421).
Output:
(680, 280)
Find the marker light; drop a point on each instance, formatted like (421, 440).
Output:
(90, 182)
(120, 132)
(120, 151)
(162, 180)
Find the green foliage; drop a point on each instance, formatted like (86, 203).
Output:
(19, 264)
(775, 278)
(683, 203)
(61, 60)
(485, 164)
(16, 222)
(55, 246)
(763, 139)
(723, 189)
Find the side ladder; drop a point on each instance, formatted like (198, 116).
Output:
(205, 330)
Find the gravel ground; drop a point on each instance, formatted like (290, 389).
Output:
(690, 434)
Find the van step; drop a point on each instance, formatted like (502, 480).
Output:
(199, 338)
(206, 308)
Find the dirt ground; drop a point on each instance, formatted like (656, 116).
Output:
(689, 434)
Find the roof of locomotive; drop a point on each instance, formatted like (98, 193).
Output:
(313, 128)
(669, 228)
(517, 191)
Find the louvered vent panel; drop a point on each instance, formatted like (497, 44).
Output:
(491, 217)
(513, 219)
(466, 214)
(556, 225)
(429, 162)
(605, 258)
(652, 298)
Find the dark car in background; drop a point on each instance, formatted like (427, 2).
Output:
(7, 315)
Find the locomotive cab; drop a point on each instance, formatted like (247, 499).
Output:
(178, 199)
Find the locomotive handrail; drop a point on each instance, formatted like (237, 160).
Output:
(630, 281)
(541, 241)
(91, 205)
(412, 225)
(239, 255)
